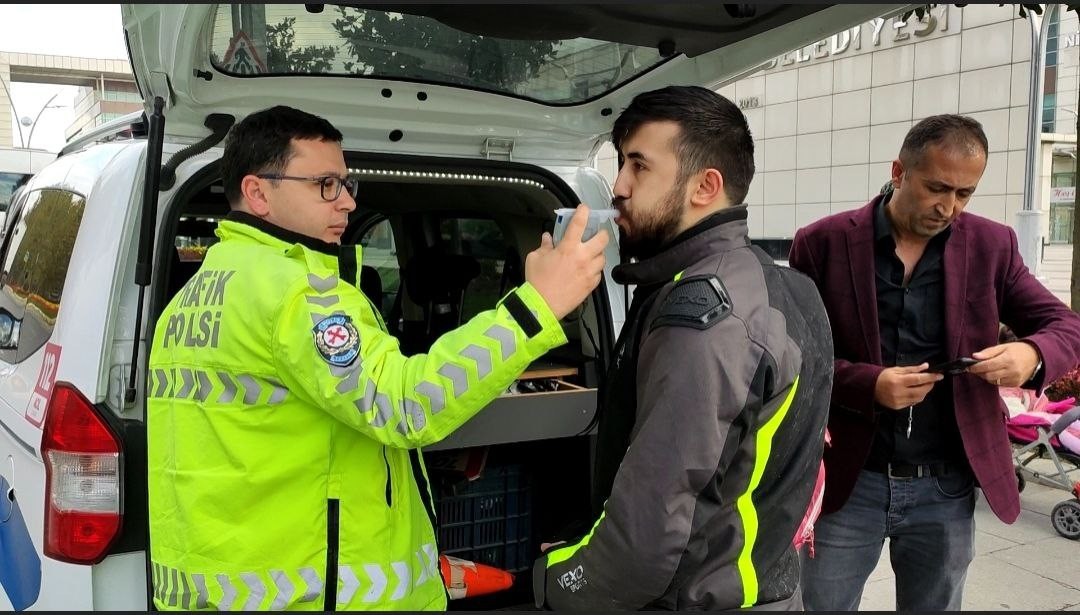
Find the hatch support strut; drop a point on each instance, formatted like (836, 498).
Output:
(143, 266)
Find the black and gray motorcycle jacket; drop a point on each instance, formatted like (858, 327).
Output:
(722, 378)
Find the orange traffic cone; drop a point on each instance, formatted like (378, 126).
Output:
(465, 579)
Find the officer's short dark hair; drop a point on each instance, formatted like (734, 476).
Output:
(713, 133)
(260, 143)
(953, 130)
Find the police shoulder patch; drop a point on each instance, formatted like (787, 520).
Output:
(699, 302)
(337, 340)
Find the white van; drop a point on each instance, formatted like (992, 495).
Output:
(468, 126)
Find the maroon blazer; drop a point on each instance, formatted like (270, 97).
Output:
(986, 281)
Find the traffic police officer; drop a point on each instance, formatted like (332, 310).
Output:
(283, 420)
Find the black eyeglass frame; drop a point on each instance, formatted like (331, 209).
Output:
(325, 182)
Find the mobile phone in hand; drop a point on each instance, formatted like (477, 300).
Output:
(954, 367)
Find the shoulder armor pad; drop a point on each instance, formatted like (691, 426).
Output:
(700, 302)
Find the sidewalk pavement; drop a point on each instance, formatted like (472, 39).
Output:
(1024, 566)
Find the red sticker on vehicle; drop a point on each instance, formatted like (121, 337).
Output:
(39, 401)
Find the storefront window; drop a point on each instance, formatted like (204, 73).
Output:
(1062, 195)
(1061, 221)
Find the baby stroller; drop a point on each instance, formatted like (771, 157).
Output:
(1040, 429)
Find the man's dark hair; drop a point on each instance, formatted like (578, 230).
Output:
(957, 131)
(713, 133)
(260, 143)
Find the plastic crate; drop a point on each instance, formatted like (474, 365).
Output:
(488, 520)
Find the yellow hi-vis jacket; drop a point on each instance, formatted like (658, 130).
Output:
(283, 424)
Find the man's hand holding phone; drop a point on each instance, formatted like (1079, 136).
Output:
(1007, 365)
(902, 387)
(954, 367)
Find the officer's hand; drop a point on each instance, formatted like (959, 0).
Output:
(900, 387)
(564, 276)
(1006, 365)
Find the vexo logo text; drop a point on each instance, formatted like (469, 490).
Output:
(573, 579)
(684, 299)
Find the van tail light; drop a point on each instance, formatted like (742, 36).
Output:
(82, 479)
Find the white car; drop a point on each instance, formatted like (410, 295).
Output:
(468, 125)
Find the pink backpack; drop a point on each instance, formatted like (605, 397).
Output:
(805, 533)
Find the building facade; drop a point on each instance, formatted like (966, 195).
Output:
(1060, 119)
(106, 88)
(105, 100)
(828, 119)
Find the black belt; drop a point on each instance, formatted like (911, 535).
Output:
(907, 470)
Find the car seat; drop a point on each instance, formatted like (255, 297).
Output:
(437, 282)
(371, 286)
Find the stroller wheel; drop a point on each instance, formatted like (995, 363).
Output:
(1066, 519)
(1021, 482)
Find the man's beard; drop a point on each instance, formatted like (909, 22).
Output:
(652, 229)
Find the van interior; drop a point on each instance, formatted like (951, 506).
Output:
(443, 242)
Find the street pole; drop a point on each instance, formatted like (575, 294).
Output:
(34, 125)
(1029, 218)
(11, 103)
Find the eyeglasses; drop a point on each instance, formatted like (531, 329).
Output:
(330, 185)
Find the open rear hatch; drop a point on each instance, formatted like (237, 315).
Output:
(541, 83)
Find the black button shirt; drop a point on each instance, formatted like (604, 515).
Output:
(912, 325)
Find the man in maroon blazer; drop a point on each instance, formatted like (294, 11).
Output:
(910, 282)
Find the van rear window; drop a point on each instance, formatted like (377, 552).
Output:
(287, 39)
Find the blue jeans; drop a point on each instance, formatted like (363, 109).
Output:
(930, 524)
